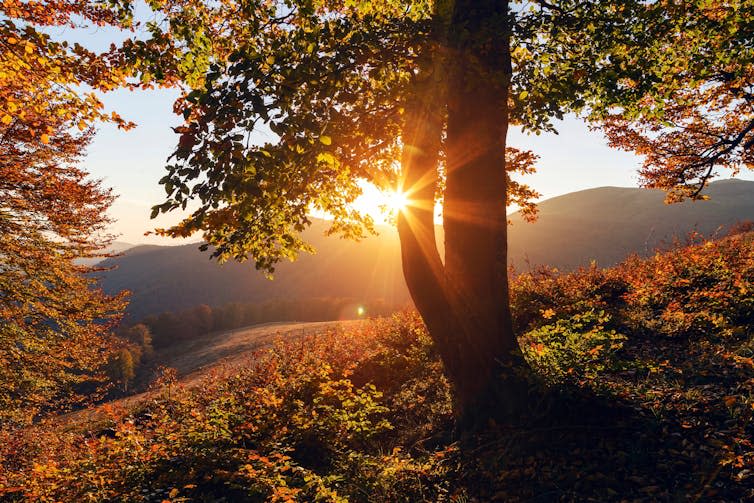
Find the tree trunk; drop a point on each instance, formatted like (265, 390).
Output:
(465, 303)
(475, 220)
(422, 266)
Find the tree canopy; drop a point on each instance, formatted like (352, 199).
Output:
(326, 84)
(691, 89)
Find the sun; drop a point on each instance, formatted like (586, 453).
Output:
(381, 205)
(395, 200)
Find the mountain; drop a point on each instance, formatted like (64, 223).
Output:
(608, 223)
(604, 224)
(116, 247)
(163, 278)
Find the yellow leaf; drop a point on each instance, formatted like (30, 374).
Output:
(325, 140)
(548, 313)
(45, 139)
(6, 119)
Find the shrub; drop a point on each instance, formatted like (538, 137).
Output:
(289, 426)
(574, 348)
(701, 290)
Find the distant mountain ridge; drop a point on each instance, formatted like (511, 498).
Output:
(116, 247)
(604, 224)
(607, 224)
(167, 278)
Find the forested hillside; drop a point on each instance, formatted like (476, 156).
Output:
(171, 278)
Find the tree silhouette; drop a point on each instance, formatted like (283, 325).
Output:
(416, 96)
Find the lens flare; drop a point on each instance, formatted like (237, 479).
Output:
(396, 200)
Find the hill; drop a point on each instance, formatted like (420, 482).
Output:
(204, 358)
(605, 224)
(116, 247)
(168, 278)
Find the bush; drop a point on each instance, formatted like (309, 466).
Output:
(574, 348)
(546, 290)
(701, 290)
(292, 425)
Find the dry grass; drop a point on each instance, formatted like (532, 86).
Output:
(212, 356)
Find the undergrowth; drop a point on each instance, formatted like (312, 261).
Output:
(643, 389)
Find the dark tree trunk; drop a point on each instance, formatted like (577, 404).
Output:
(465, 303)
(422, 267)
(474, 216)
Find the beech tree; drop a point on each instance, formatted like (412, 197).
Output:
(413, 95)
(690, 111)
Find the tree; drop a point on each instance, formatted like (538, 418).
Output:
(202, 319)
(55, 328)
(348, 89)
(690, 109)
(122, 368)
(141, 336)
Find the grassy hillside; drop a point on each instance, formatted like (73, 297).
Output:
(642, 390)
(604, 224)
(201, 359)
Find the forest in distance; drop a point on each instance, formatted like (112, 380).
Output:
(378, 304)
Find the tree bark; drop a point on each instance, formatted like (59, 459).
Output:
(465, 302)
(422, 267)
(475, 219)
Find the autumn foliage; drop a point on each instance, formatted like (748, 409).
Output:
(691, 113)
(642, 390)
(55, 325)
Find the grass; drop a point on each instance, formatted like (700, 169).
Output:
(643, 390)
